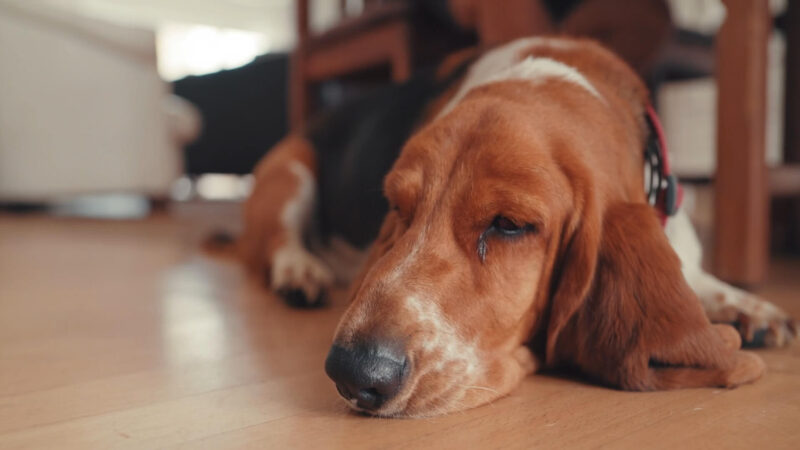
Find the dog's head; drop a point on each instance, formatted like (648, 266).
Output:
(494, 234)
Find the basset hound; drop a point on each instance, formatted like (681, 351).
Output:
(500, 203)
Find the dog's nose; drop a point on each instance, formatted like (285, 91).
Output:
(368, 374)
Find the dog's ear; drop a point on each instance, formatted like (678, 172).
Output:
(623, 312)
(574, 273)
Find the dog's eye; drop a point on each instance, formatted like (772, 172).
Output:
(508, 227)
(504, 227)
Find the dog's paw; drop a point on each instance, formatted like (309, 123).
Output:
(761, 323)
(297, 298)
(747, 368)
(300, 277)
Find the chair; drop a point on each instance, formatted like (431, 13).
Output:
(380, 35)
(741, 215)
(399, 34)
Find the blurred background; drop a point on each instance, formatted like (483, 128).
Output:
(126, 109)
(129, 128)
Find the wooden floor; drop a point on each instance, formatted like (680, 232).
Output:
(120, 334)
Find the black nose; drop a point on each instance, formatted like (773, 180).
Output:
(369, 374)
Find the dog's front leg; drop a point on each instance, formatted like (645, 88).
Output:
(276, 218)
(759, 322)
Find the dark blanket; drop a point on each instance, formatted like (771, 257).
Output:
(244, 114)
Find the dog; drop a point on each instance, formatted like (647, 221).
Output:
(496, 213)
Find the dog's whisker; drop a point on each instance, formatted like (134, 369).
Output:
(482, 388)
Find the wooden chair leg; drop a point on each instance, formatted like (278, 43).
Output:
(741, 201)
(792, 116)
(298, 81)
(298, 92)
(401, 58)
(514, 19)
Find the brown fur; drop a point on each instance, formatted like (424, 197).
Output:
(640, 326)
(596, 286)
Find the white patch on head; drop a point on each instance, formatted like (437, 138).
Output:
(504, 63)
(293, 266)
(540, 69)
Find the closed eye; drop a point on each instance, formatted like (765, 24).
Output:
(508, 228)
(502, 227)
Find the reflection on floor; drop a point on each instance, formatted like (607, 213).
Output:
(123, 334)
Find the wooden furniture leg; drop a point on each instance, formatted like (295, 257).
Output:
(401, 57)
(298, 83)
(792, 119)
(741, 200)
(515, 19)
(298, 92)
(382, 36)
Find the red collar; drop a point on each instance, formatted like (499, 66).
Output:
(663, 190)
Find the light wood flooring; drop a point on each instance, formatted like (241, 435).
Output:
(123, 335)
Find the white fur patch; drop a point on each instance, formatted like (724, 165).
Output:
(684, 241)
(504, 63)
(540, 69)
(410, 257)
(293, 266)
(445, 340)
(297, 211)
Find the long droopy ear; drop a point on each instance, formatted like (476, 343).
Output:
(623, 313)
(574, 273)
